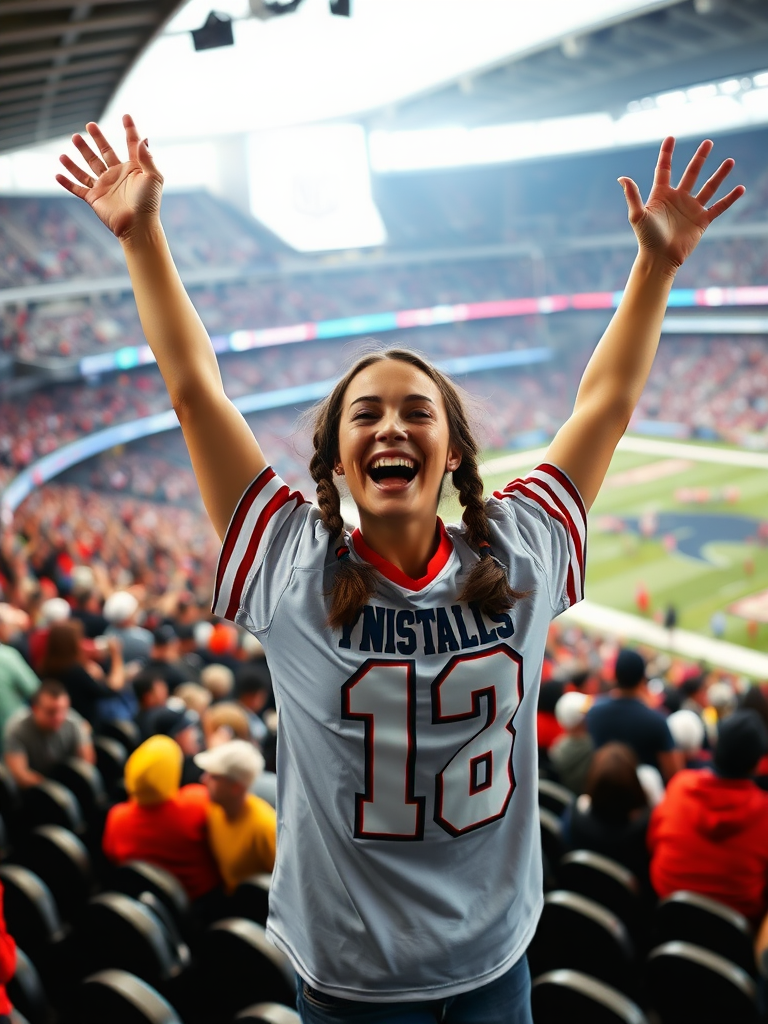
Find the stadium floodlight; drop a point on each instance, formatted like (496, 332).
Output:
(217, 31)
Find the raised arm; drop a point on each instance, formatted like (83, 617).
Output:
(668, 228)
(125, 195)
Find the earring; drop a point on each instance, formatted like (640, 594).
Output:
(339, 470)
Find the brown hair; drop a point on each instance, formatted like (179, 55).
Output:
(486, 584)
(64, 647)
(612, 783)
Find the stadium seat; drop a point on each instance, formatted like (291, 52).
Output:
(247, 968)
(268, 1013)
(687, 984)
(124, 731)
(251, 898)
(26, 992)
(163, 914)
(10, 798)
(59, 858)
(31, 913)
(577, 933)
(606, 882)
(18, 1018)
(551, 837)
(690, 917)
(119, 932)
(111, 756)
(85, 781)
(119, 997)
(560, 996)
(51, 803)
(137, 876)
(554, 797)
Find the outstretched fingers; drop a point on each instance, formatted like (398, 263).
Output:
(132, 137)
(709, 188)
(663, 171)
(77, 172)
(727, 201)
(94, 162)
(78, 190)
(693, 170)
(110, 157)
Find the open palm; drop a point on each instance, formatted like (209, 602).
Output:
(673, 220)
(125, 195)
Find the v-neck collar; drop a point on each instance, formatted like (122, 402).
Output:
(436, 564)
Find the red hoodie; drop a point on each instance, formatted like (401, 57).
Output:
(710, 835)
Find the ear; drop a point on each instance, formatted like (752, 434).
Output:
(338, 469)
(453, 460)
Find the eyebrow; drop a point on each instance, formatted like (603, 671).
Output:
(408, 398)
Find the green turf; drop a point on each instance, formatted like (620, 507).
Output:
(618, 565)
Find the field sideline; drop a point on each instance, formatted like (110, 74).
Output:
(703, 556)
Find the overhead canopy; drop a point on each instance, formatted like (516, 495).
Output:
(60, 62)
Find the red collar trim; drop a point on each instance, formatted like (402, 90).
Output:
(437, 562)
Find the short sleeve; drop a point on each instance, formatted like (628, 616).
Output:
(13, 742)
(552, 520)
(256, 560)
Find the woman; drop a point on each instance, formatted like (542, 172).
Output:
(97, 695)
(405, 657)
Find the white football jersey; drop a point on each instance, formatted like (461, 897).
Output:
(408, 855)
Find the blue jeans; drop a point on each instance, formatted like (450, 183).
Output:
(504, 1001)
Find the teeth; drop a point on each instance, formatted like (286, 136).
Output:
(397, 461)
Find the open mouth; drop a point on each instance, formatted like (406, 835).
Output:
(397, 468)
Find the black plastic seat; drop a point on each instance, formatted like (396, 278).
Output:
(122, 933)
(51, 803)
(85, 781)
(571, 996)
(551, 837)
(111, 756)
(138, 876)
(554, 797)
(248, 969)
(31, 913)
(26, 992)
(689, 917)
(59, 857)
(124, 731)
(576, 933)
(268, 1013)
(251, 898)
(606, 882)
(687, 984)
(119, 997)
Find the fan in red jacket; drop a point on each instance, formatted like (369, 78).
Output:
(710, 833)
(7, 965)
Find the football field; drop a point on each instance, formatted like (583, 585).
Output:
(671, 530)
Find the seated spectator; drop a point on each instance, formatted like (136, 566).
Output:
(164, 657)
(162, 822)
(688, 732)
(219, 680)
(571, 753)
(710, 833)
(40, 737)
(7, 965)
(121, 611)
(52, 612)
(624, 717)
(85, 601)
(151, 692)
(253, 689)
(225, 721)
(183, 726)
(195, 697)
(241, 826)
(96, 695)
(17, 680)
(611, 817)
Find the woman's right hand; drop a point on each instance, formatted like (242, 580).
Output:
(125, 195)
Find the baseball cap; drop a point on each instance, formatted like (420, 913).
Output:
(571, 709)
(164, 634)
(742, 739)
(237, 760)
(170, 719)
(629, 670)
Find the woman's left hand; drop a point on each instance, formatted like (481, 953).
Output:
(670, 224)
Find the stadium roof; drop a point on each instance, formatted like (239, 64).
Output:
(61, 62)
(672, 47)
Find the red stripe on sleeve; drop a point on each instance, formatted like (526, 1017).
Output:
(520, 487)
(242, 510)
(567, 483)
(571, 525)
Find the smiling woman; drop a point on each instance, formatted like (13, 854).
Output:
(408, 881)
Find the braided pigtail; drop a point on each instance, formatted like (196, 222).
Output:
(486, 584)
(353, 582)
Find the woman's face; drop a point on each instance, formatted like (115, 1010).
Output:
(394, 445)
